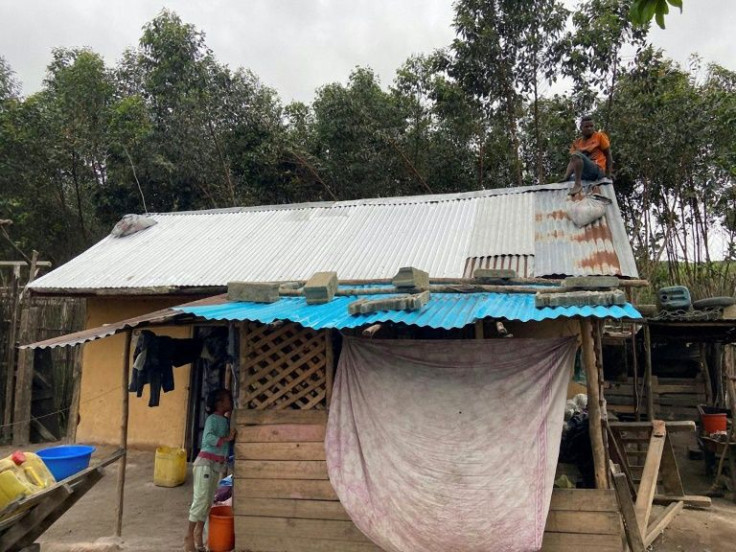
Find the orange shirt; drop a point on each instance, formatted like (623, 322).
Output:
(594, 148)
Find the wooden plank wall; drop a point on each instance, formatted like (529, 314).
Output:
(583, 519)
(674, 398)
(284, 501)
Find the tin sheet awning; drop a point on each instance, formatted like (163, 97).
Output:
(444, 310)
(156, 318)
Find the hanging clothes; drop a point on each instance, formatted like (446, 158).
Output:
(154, 360)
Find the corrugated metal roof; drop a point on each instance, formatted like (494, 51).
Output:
(601, 248)
(365, 239)
(444, 310)
(156, 318)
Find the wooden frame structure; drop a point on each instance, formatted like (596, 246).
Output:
(22, 522)
(283, 497)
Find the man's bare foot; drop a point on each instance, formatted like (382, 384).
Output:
(578, 188)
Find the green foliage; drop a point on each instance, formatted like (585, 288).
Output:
(170, 128)
(642, 11)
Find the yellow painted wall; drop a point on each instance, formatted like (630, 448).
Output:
(100, 405)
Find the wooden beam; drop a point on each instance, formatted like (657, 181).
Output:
(329, 366)
(10, 357)
(709, 398)
(13, 264)
(620, 459)
(120, 490)
(661, 523)
(631, 525)
(648, 372)
(24, 374)
(14, 535)
(650, 474)
(671, 480)
(594, 408)
(598, 335)
(672, 427)
(692, 501)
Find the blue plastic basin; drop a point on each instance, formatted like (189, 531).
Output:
(66, 460)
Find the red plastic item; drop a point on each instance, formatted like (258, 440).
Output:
(222, 529)
(713, 423)
(18, 457)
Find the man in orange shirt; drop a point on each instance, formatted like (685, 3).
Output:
(590, 156)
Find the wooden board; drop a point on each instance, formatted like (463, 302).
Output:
(279, 451)
(288, 416)
(287, 433)
(584, 500)
(259, 543)
(299, 528)
(290, 508)
(572, 542)
(277, 469)
(314, 489)
(597, 523)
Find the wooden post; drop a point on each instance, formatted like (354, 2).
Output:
(73, 418)
(10, 355)
(24, 374)
(631, 525)
(329, 366)
(648, 485)
(594, 405)
(709, 398)
(479, 329)
(648, 372)
(601, 379)
(123, 435)
(634, 361)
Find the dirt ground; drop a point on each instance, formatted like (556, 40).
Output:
(155, 517)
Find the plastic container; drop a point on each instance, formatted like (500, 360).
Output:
(674, 297)
(221, 536)
(11, 488)
(66, 460)
(22, 474)
(713, 423)
(170, 467)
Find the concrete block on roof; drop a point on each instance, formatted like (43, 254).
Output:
(320, 288)
(255, 292)
(493, 274)
(395, 303)
(580, 299)
(410, 278)
(591, 282)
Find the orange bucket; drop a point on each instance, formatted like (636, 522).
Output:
(713, 422)
(221, 531)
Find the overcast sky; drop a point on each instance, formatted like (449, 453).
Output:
(296, 46)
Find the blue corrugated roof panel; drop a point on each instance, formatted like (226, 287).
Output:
(444, 310)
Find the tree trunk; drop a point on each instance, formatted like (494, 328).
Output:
(80, 212)
(538, 135)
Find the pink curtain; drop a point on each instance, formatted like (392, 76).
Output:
(448, 446)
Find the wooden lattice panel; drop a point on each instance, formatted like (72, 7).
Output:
(283, 367)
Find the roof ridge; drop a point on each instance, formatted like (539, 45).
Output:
(378, 201)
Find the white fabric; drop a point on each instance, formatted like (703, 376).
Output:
(448, 446)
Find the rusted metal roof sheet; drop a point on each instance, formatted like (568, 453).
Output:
(366, 239)
(563, 249)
